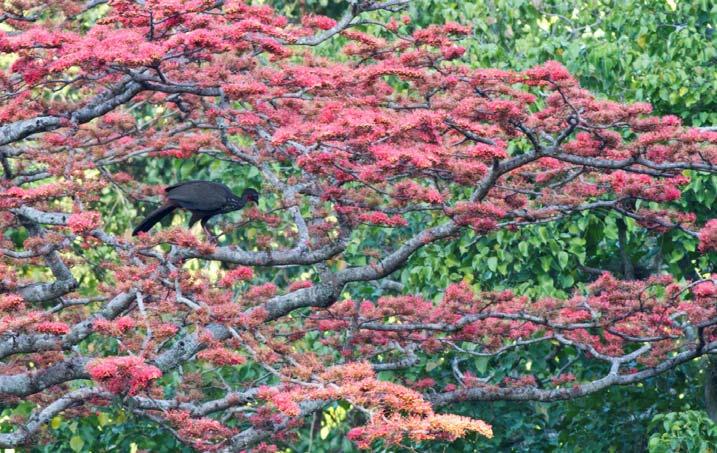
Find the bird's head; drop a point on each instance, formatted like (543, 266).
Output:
(250, 195)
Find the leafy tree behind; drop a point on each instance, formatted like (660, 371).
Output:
(556, 257)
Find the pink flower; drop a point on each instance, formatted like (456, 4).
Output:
(550, 70)
(221, 356)
(241, 273)
(708, 236)
(424, 383)
(84, 222)
(320, 22)
(55, 328)
(10, 302)
(286, 405)
(123, 374)
(452, 52)
(380, 218)
(300, 284)
(264, 291)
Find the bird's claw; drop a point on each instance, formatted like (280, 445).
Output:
(211, 237)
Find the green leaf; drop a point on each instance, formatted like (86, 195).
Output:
(523, 248)
(566, 280)
(76, 443)
(545, 263)
(492, 263)
(563, 259)
(481, 364)
(55, 422)
(543, 234)
(103, 418)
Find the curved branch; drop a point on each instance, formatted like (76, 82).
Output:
(493, 393)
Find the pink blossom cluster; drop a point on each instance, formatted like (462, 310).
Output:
(123, 374)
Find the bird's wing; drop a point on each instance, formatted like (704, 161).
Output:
(188, 183)
(199, 195)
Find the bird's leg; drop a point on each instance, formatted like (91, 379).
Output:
(210, 236)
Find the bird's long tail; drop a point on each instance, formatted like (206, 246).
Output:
(154, 217)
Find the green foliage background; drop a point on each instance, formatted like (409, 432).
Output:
(655, 51)
(659, 51)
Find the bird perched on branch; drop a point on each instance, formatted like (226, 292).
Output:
(204, 199)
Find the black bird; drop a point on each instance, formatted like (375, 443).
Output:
(204, 199)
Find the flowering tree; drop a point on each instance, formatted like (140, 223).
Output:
(365, 159)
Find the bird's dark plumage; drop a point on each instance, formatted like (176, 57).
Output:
(204, 199)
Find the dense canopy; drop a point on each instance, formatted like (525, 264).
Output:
(363, 159)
